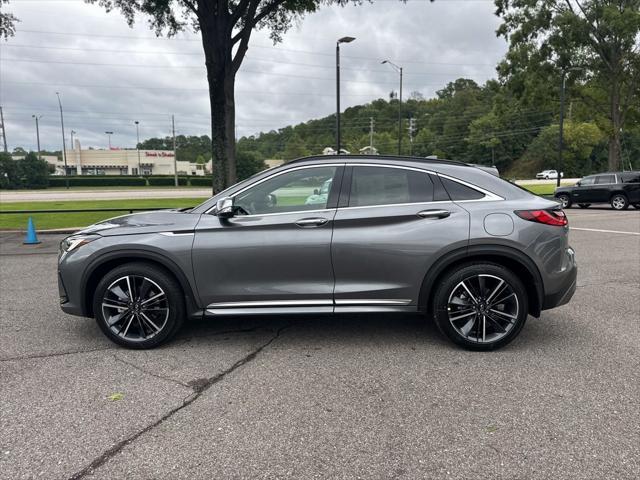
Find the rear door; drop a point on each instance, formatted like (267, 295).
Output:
(602, 188)
(391, 225)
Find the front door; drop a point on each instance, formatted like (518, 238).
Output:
(388, 235)
(583, 193)
(275, 252)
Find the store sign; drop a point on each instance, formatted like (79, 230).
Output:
(158, 154)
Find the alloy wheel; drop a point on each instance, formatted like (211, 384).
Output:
(483, 308)
(135, 308)
(565, 201)
(618, 202)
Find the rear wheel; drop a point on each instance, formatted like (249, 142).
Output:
(565, 200)
(619, 202)
(480, 306)
(139, 305)
(584, 205)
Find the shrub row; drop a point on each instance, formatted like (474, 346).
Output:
(126, 181)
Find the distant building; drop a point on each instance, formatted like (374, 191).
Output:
(368, 150)
(331, 151)
(122, 162)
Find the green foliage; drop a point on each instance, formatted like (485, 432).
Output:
(166, 181)
(28, 172)
(249, 163)
(97, 181)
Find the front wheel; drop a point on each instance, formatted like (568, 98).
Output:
(481, 306)
(138, 305)
(619, 202)
(565, 200)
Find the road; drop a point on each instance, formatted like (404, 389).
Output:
(327, 397)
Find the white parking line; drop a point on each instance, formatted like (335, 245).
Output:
(603, 231)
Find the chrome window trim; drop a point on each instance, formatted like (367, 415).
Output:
(325, 210)
(367, 301)
(277, 174)
(397, 204)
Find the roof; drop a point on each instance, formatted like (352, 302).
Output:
(360, 158)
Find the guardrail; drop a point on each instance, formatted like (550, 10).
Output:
(83, 210)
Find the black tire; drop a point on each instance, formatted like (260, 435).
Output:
(154, 315)
(636, 205)
(565, 200)
(445, 318)
(619, 201)
(584, 205)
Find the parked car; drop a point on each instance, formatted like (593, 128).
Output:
(548, 174)
(394, 234)
(619, 189)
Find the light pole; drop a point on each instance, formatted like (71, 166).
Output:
(109, 137)
(138, 146)
(64, 143)
(38, 117)
(341, 40)
(398, 69)
(73, 132)
(560, 137)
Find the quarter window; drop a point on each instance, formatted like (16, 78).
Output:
(387, 186)
(602, 179)
(458, 191)
(298, 190)
(631, 177)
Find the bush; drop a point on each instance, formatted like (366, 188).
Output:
(97, 181)
(30, 172)
(200, 181)
(167, 181)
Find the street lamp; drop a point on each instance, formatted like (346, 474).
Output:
(109, 136)
(560, 138)
(73, 132)
(398, 69)
(64, 144)
(38, 117)
(138, 146)
(341, 40)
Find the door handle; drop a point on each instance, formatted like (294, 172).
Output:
(434, 213)
(311, 222)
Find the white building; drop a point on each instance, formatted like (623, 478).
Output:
(123, 162)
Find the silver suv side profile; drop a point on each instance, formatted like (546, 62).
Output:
(330, 234)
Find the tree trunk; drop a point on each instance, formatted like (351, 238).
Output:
(217, 44)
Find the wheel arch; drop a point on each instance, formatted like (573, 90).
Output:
(107, 262)
(515, 260)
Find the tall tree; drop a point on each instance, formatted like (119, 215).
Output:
(7, 22)
(600, 36)
(225, 27)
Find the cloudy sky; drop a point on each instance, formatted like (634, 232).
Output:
(110, 75)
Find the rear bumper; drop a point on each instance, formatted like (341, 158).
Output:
(565, 289)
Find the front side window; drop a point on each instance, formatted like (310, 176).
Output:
(603, 179)
(297, 190)
(387, 186)
(587, 181)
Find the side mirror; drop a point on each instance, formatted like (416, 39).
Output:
(316, 191)
(577, 183)
(224, 207)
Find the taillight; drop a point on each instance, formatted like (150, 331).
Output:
(548, 217)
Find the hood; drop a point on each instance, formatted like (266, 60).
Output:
(145, 222)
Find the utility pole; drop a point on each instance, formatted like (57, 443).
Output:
(398, 69)
(175, 159)
(412, 129)
(38, 134)
(138, 146)
(4, 132)
(109, 136)
(560, 139)
(73, 132)
(371, 125)
(64, 143)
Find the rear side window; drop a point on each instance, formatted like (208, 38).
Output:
(601, 179)
(387, 186)
(458, 191)
(631, 177)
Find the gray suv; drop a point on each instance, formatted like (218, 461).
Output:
(389, 234)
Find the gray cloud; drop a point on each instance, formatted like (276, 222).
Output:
(148, 79)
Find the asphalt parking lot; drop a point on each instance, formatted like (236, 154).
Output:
(328, 397)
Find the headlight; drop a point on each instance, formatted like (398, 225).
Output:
(73, 242)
